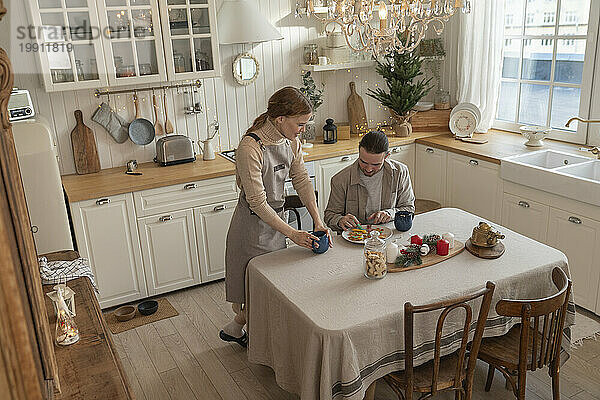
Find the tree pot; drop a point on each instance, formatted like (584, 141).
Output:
(401, 124)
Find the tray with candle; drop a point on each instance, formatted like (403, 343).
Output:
(425, 251)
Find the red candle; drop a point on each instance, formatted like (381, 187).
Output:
(416, 239)
(443, 246)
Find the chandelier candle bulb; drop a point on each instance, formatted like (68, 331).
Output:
(382, 16)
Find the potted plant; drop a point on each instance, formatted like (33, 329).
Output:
(315, 96)
(399, 71)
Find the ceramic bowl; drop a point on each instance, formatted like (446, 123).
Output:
(124, 313)
(148, 307)
(534, 135)
(423, 106)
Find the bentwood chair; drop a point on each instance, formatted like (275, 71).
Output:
(453, 372)
(292, 202)
(532, 344)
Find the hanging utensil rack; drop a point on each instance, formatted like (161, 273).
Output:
(197, 83)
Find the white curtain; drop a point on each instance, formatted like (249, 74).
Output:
(479, 58)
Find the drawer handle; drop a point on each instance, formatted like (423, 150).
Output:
(346, 158)
(34, 229)
(165, 218)
(429, 150)
(474, 162)
(219, 208)
(103, 201)
(396, 150)
(190, 186)
(523, 204)
(575, 220)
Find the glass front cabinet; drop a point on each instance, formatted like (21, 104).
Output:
(90, 44)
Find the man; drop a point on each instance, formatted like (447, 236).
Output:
(371, 190)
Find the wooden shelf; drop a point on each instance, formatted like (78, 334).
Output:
(335, 67)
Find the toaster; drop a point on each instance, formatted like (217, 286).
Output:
(174, 149)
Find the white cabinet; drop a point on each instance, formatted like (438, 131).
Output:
(325, 170)
(405, 155)
(579, 238)
(107, 235)
(212, 224)
(430, 165)
(525, 216)
(169, 251)
(474, 186)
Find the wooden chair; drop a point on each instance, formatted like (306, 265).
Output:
(525, 346)
(453, 372)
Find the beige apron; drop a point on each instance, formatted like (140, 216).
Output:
(248, 235)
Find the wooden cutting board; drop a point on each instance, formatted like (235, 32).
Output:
(84, 147)
(430, 259)
(485, 252)
(357, 117)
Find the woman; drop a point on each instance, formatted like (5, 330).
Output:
(269, 152)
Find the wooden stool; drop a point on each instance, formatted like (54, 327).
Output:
(423, 206)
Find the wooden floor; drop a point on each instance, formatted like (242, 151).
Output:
(183, 358)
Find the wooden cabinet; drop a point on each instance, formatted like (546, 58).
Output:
(169, 251)
(90, 44)
(525, 216)
(474, 186)
(212, 224)
(325, 170)
(579, 238)
(405, 155)
(430, 182)
(107, 235)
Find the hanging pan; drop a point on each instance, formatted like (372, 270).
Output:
(141, 131)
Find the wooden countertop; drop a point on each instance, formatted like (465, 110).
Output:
(500, 144)
(113, 181)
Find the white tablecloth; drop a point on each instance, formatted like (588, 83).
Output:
(328, 332)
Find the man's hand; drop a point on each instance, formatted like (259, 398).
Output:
(380, 217)
(348, 221)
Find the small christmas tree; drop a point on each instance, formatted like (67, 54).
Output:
(399, 70)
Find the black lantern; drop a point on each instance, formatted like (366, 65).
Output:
(329, 132)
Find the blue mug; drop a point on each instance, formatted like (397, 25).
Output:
(403, 220)
(323, 242)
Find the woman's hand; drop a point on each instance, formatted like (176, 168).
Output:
(303, 239)
(323, 228)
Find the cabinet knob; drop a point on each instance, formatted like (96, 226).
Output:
(575, 220)
(165, 218)
(396, 150)
(190, 186)
(474, 162)
(103, 201)
(429, 150)
(34, 229)
(523, 204)
(345, 158)
(219, 208)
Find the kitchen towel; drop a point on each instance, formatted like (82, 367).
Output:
(53, 272)
(116, 126)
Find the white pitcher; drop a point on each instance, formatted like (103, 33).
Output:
(208, 150)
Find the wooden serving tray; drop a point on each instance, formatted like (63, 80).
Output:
(431, 259)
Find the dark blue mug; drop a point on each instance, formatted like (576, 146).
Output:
(323, 242)
(403, 220)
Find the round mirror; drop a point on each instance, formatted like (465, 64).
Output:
(245, 69)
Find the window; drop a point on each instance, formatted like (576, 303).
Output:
(545, 76)
(508, 19)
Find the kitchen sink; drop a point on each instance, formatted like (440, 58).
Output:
(568, 175)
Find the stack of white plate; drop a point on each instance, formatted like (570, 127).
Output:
(464, 119)
(423, 106)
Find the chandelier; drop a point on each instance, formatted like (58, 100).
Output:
(382, 27)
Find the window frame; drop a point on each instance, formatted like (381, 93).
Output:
(582, 135)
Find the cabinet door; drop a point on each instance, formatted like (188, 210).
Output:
(405, 155)
(474, 186)
(326, 169)
(579, 238)
(169, 251)
(430, 174)
(69, 44)
(212, 224)
(133, 47)
(525, 216)
(190, 39)
(107, 235)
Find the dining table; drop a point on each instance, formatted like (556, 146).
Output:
(328, 332)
